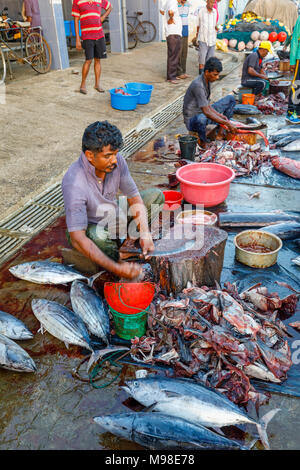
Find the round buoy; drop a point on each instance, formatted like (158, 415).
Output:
(282, 36)
(273, 36)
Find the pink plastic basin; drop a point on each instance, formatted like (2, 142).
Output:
(205, 183)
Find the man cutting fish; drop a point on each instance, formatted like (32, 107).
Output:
(96, 222)
(198, 112)
(253, 75)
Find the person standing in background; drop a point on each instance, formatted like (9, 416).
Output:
(293, 114)
(173, 32)
(207, 33)
(231, 9)
(184, 9)
(89, 12)
(32, 13)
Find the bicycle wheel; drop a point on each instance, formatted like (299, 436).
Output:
(145, 31)
(2, 67)
(132, 37)
(39, 52)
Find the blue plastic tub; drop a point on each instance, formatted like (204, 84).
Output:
(73, 28)
(68, 28)
(124, 103)
(144, 90)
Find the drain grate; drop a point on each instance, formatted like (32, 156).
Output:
(40, 212)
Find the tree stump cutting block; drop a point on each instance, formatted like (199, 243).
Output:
(200, 266)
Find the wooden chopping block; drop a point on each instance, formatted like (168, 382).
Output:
(202, 266)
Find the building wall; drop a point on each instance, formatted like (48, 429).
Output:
(14, 6)
(150, 11)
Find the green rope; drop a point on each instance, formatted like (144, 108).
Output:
(99, 367)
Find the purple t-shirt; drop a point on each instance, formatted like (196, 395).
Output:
(87, 201)
(32, 9)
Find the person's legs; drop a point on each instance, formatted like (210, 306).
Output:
(202, 53)
(198, 124)
(211, 52)
(88, 46)
(225, 106)
(258, 85)
(100, 53)
(180, 62)
(100, 237)
(153, 199)
(174, 45)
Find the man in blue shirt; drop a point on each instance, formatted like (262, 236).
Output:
(183, 8)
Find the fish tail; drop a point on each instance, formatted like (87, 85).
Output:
(93, 359)
(262, 427)
(93, 278)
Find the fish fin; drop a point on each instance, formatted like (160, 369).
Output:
(171, 394)
(150, 408)
(218, 431)
(67, 345)
(95, 356)
(41, 329)
(262, 427)
(92, 279)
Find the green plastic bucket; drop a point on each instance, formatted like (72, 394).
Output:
(129, 326)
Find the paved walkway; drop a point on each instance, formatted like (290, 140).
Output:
(44, 116)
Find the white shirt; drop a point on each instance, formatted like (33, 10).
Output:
(176, 27)
(207, 26)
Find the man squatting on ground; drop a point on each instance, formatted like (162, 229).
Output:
(253, 75)
(89, 13)
(198, 112)
(95, 222)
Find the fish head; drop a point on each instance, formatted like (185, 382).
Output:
(144, 391)
(120, 424)
(24, 270)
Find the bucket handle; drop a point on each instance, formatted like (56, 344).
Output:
(128, 306)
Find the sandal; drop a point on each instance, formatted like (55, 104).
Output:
(83, 91)
(98, 88)
(175, 82)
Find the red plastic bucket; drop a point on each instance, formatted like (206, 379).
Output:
(205, 183)
(129, 298)
(173, 200)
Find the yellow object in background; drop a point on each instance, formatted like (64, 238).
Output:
(221, 46)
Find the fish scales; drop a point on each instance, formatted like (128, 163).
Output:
(61, 323)
(90, 308)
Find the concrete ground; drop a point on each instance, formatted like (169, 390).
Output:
(44, 116)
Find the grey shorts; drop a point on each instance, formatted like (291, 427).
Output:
(205, 52)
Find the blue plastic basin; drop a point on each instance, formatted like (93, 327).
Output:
(124, 103)
(144, 89)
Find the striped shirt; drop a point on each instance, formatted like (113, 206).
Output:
(89, 13)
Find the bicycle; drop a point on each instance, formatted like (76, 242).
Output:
(143, 31)
(32, 48)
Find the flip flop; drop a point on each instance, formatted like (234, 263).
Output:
(175, 82)
(83, 91)
(97, 88)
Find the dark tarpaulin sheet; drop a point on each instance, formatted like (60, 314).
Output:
(283, 271)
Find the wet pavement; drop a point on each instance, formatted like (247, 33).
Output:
(51, 409)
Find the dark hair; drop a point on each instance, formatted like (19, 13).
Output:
(99, 135)
(213, 64)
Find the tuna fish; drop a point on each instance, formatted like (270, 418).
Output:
(291, 131)
(160, 431)
(246, 109)
(90, 308)
(47, 272)
(194, 402)
(285, 231)
(294, 146)
(61, 322)
(13, 357)
(13, 328)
